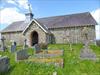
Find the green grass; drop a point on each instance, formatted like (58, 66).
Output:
(72, 64)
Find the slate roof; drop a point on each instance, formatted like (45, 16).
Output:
(15, 26)
(80, 19)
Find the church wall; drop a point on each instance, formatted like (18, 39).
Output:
(60, 35)
(14, 36)
(72, 34)
(41, 33)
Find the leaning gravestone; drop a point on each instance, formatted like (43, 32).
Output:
(37, 48)
(86, 52)
(3, 47)
(4, 64)
(21, 55)
(13, 47)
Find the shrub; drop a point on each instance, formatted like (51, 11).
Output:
(43, 45)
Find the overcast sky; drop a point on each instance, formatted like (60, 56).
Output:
(14, 10)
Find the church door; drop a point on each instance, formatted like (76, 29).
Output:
(34, 38)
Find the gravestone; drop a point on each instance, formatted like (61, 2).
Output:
(25, 45)
(4, 64)
(86, 52)
(21, 55)
(3, 47)
(37, 48)
(13, 47)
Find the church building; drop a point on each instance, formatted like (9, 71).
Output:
(56, 29)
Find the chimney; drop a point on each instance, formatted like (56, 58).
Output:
(29, 15)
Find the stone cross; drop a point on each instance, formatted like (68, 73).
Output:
(25, 45)
(86, 52)
(85, 36)
(3, 47)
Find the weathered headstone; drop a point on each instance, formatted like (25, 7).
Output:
(4, 64)
(3, 47)
(25, 45)
(13, 47)
(86, 52)
(37, 48)
(21, 55)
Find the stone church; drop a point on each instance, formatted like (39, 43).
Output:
(56, 29)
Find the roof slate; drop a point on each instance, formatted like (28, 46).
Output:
(80, 19)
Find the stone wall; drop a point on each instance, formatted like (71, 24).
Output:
(59, 35)
(41, 33)
(14, 36)
(73, 34)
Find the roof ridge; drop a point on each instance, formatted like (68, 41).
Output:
(63, 15)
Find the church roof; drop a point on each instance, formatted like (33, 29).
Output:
(15, 26)
(80, 19)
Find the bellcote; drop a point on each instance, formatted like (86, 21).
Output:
(29, 15)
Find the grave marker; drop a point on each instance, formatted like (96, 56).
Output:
(86, 52)
(21, 55)
(4, 64)
(37, 48)
(3, 47)
(13, 47)
(25, 45)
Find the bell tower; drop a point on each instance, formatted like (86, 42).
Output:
(29, 15)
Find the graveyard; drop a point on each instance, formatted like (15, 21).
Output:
(50, 59)
(39, 64)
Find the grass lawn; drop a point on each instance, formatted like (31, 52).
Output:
(72, 64)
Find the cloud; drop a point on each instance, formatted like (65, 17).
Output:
(11, 1)
(9, 15)
(12, 13)
(20, 3)
(23, 3)
(96, 15)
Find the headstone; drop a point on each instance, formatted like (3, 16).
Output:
(86, 52)
(37, 48)
(3, 47)
(21, 55)
(4, 64)
(25, 45)
(13, 47)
